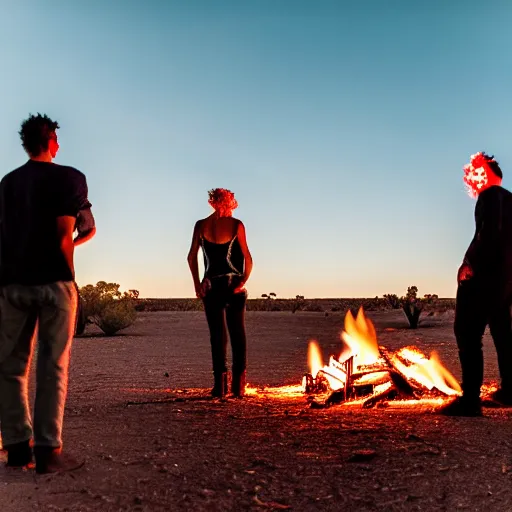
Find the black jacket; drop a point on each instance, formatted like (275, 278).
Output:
(490, 251)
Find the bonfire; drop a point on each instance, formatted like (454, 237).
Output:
(368, 374)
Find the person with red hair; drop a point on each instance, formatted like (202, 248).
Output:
(228, 265)
(484, 294)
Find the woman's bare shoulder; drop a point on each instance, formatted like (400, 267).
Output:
(199, 225)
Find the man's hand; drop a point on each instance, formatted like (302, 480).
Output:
(465, 272)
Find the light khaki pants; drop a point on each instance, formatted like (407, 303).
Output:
(48, 312)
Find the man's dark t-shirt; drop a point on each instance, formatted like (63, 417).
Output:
(31, 199)
(490, 252)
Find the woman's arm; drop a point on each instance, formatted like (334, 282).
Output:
(192, 259)
(245, 251)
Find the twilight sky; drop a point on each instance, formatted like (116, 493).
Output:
(341, 126)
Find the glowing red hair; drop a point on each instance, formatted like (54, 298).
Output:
(476, 173)
(222, 200)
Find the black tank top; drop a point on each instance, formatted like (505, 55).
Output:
(222, 259)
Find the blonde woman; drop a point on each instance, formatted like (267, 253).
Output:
(228, 265)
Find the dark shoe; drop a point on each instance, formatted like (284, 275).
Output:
(19, 454)
(501, 397)
(220, 386)
(52, 460)
(238, 385)
(462, 407)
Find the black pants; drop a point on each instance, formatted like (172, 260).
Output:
(475, 309)
(225, 313)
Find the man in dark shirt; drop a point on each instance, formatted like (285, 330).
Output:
(42, 205)
(484, 295)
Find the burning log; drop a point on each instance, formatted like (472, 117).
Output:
(389, 392)
(374, 373)
(315, 385)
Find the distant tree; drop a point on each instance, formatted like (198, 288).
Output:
(106, 306)
(269, 298)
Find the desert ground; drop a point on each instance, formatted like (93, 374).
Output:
(139, 413)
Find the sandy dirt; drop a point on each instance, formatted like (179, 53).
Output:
(139, 413)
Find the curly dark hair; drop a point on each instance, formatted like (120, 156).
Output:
(494, 166)
(222, 199)
(35, 133)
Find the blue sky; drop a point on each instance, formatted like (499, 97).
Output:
(342, 127)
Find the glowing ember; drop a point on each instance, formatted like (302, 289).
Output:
(366, 373)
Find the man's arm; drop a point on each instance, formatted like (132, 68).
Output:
(65, 229)
(85, 226)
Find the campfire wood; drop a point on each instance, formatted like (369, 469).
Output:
(372, 373)
(356, 387)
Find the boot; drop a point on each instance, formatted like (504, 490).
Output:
(52, 460)
(238, 385)
(462, 406)
(19, 454)
(220, 385)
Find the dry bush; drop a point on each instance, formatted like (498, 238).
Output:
(298, 303)
(412, 305)
(116, 316)
(107, 307)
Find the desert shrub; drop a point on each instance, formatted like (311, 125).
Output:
(375, 304)
(107, 307)
(140, 305)
(314, 308)
(412, 305)
(298, 303)
(190, 305)
(393, 300)
(116, 316)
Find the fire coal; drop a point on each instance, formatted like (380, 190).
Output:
(369, 374)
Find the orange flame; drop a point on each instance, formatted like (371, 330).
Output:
(429, 372)
(314, 358)
(360, 340)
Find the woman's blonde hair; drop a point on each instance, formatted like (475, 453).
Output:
(222, 200)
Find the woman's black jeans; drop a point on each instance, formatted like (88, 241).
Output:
(225, 313)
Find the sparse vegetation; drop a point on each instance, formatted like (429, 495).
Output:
(107, 307)
(298, 303)
(334, 305)
(269, 298)
(411, 304)
(393, 300)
